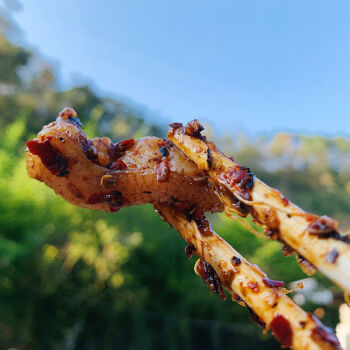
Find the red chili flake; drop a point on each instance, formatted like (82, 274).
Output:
(190, 250)
(332, 256)
(162, 171)
(254, 286)
(236, 260)
(322, 334)
(121, 147)
(285, 200)
(50, 156)
(241, 179)
(126, 143)
(119, 165)
(281, 329)
(272, 283)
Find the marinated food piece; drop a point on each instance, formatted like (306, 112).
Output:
(63, 158)
(315, 240)
(221, 265)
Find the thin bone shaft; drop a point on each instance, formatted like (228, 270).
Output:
(248, 282)
(272, 210)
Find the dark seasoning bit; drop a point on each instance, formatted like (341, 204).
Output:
(176, 125)
(76, 121)
(163, 151)
(272, 283)
(325, 227)
(236, 261)
(243, 209)
(256, 318)
(174, 199)
(337, 236)
(324, 335)
(332, 256)
(194, 128)
(203, 225)
(273, 234)
(306, 265)
(210, 277)
(190, 250)
(287, 250)
(209, 160)
(322, 225)
(88, 149)
(238, 299)
(197, 215)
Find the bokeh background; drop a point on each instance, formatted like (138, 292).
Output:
(271, 82)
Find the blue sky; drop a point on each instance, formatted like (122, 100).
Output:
(258, 65)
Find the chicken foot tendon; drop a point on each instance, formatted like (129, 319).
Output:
(99, 174)
(221, 264)
(315, 239)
